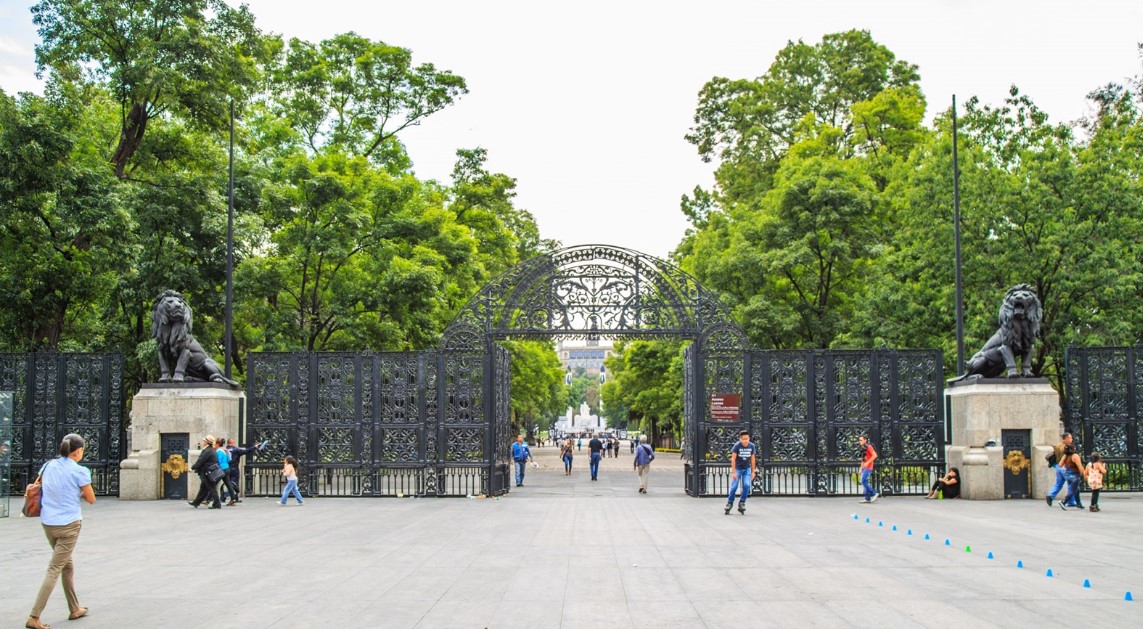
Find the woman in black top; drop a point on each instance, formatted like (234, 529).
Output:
(948, 485)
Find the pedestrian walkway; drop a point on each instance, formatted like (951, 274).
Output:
(566, 552)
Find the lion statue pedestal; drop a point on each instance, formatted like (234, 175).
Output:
(991, 419)
(192, 409)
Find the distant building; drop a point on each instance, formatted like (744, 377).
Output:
(587, 355)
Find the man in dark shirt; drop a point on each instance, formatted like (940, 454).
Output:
(743, 464)
(206, 459)
(237, 453)
(595, 447)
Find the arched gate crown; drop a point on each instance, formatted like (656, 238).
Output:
(594, 290)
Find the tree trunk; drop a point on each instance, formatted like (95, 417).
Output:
(134, 126)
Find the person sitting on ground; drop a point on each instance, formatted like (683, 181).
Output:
(948, 485)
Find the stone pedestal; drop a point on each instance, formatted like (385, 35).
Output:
(196, 408)
(984, 407)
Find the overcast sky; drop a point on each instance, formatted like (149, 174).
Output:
(586, 103)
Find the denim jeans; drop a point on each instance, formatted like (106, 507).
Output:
(742, 478)
(520, 467)
(1073, 488)
(1060, 480)
(865, 474)
(291, 487)
(567, 463)
(594, 464)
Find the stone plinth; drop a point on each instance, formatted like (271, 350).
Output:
(984, 407)
(198, 408)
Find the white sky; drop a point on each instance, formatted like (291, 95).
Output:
(586, 103)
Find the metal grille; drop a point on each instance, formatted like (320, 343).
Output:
(376, 424)
(806, 409)
(1104, 392)
(55, 394)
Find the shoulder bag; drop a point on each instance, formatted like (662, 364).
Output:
(33, 496)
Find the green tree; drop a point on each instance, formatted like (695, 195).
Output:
(64, 236)
(1037, 207)
(537, 383)
(184, 58)
(646, 379)
(796, 217)
(356, 94)
(484, 202)
(748, 124)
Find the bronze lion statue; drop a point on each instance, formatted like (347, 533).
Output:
(181, 358)
(1020, 315)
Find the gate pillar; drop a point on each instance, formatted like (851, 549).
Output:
(195, 408)
(981, 410)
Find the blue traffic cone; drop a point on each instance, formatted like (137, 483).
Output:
(855, 516)
(880, 524)
(1087, 583)
(990, 555)
(867, 520)
(926, 536)
(947, 542)
(1049, 572)
(910, 532)
(1020, 564)
(1127, 597)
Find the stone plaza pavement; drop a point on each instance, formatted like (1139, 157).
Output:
(567, 552)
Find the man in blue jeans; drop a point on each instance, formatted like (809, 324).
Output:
(521, 455)
(743, 464)
(595, 449)
(868, 456)
(1061, 478)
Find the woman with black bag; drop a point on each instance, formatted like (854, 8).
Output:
(63, 483)
(206, 462)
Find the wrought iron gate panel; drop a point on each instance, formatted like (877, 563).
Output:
(60, 393)
(806, 410)
(1104, 392)
(373, 424)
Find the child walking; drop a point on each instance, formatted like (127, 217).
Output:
(290, 471)
(1095, 471)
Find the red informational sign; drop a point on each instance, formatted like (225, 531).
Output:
(725, 407)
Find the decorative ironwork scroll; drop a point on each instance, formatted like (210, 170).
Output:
(593, 290)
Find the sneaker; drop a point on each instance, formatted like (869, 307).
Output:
(1093, 509)
(875, 497)
(726, 511)
(1049, 499)
(1063, 506)
(863, 502)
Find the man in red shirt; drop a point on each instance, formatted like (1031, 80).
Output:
(868, 456)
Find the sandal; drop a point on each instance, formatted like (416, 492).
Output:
(34, 623)
(79, 613)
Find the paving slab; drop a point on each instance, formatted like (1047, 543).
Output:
(567, 552)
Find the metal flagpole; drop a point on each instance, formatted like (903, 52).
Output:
(956, 236)
(230, 249)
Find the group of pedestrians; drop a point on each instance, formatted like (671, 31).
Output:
(219, 477)
(596, 448)
(1070, 471)
(217, 469)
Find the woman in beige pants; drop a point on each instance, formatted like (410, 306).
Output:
(64, 483)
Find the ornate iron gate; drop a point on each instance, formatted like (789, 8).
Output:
(436, 423)
(806, 410)
(58, 393)
(377, 424)
(1104, 393)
